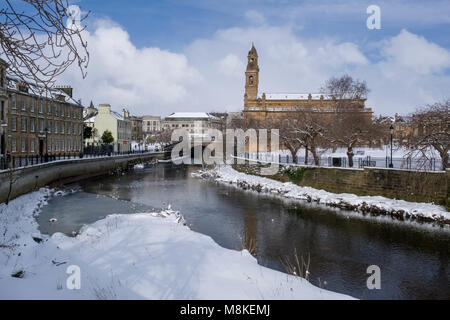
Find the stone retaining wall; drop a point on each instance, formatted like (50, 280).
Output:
(407, 185)
(31, 178)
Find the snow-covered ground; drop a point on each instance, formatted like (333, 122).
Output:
(373, 204)
(403, 158)
(138, 256)
(383, 151)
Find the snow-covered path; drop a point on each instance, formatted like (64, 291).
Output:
(373, 204)
(139, 256)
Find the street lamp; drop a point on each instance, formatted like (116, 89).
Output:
(391, 165)
(46, 145)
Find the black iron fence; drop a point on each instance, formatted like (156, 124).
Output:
(95, 152)
(407, 163)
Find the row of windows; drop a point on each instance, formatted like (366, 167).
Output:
(270, 123)
(178, 125)
(41, 125)
(31, 145)
(123, 124)
(48, 107)
(122, 136)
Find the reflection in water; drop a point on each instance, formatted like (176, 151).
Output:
(414, 259)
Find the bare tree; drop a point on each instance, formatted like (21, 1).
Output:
(431, 129)
(14, 175)
(290, 139)
(350, 127)
(310, 131)
(40, 39)
(302, 129)
(162, 137)
(346, 92)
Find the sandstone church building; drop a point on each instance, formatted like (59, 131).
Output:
(275, 109)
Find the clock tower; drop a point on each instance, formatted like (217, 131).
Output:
(252, 75)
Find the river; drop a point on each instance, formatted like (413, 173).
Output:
(413, 258)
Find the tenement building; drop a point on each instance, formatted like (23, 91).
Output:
(3, 113)
(136, 129)
(104, 119)
(275, 109)
(151, 125)
(195, 123)
(40, 123)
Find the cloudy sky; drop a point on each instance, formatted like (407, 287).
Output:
(158, 57)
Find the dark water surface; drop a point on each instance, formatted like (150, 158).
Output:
(414, 259)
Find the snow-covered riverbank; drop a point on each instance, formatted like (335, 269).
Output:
(136, 256)
(367, 204)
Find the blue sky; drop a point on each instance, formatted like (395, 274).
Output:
(192, 52)
(173, 24)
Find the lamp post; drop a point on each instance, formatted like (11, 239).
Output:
(46, 145)
(391, 129)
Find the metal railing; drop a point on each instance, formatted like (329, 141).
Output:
(25, 161)
(407, 163)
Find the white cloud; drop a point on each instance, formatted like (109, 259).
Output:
(209, 73)
(411, 51)
(412, 73)
(255, 17)
(231, 65)
(146, 80)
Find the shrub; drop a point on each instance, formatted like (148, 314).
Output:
(295, 174)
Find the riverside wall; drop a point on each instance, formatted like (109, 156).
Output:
(24, 180)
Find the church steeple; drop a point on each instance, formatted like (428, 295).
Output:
(252, 75)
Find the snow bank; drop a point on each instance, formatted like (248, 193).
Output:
(375, 205)
(138, 256)
(139, 166)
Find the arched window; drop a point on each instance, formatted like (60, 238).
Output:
(250, 80)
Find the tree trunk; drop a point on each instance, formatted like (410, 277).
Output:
(314, 153)
(306, 154)
(444, 159)
(350, 156)
(293, 152)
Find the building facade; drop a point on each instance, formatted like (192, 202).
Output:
(196, 123)
(276, 109)
(151, 125)
(3, 113)
(137, 134)
(118, 124)
(38, 123)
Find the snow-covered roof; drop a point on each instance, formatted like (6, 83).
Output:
(116, 115)
(90, 120)
(296, 96)
(40, 92)
(191, 115)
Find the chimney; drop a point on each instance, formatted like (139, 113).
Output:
(66, 89)
(104, 108)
